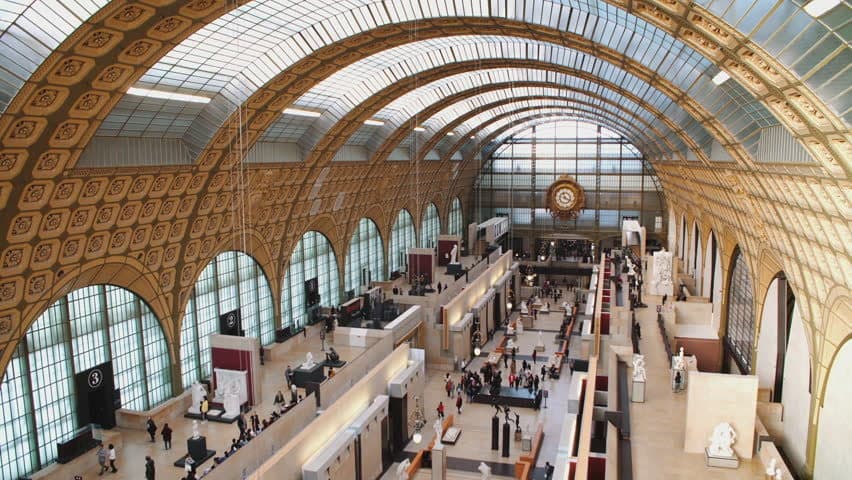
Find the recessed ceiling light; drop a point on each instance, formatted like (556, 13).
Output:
(302, 113)
(450, 134)
(375, 123)
(419, 129)
(721, 77)
(818, 8)
(181, 97)
(473, 137)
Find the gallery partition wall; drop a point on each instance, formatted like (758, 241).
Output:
(87, 328)
(312, 258)
(233, 280)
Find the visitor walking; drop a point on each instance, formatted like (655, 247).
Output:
(534, 355)
(459, 403)
(149, 468)
(289, 375)
(205, 407)
(449, 388)
(152, 428)
(440, 409)
(111, 455)
(167, 437)
(102, 458)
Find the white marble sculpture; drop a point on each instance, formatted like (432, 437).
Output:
(199, 391)
(524, 309)
(662, 283)
(402, 470)
(309, 361)
(510, 344)
(639, 368)
(678, 362)
(439, 431)
(540, 343)
(485, 470)
(770, 471)
(722, 440)
(233, 383)
(454, 254)
(195, 432)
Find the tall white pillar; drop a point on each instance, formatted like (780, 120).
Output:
(439, 462)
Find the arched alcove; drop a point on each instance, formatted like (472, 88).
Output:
(835, 419)
(739, 332)
(783, 366)
(365, 260)
(430, 227)
(231, 281)
(403, 237)
(40, 396)
(455, 223)
(312, 258)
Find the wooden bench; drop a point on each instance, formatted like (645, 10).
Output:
(417, 461)
(525, 465)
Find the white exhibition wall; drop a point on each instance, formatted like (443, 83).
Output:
(835, 420)
(796, 395)
(767, 340)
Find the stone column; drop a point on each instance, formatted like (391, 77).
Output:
(439, 462)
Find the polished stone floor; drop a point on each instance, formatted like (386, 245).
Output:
(135, 444)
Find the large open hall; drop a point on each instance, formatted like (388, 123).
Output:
(425, 239)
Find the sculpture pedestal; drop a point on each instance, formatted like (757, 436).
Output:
(302, 375)
(197, 450)
(638, 392)
(232, 406)
(439, 463)
(721, 462)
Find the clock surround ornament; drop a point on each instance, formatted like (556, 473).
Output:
(565, 198)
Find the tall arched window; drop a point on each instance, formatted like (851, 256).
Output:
(86, 328)
(402, 238)
(430, 227)
(739, 335)
(233, 280)
(312, 258)
(365, 261)
(454, 223)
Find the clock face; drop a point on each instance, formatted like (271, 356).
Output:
(564, 198)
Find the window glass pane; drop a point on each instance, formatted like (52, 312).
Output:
(455, 223)
(17, 457)
(365, 259)
(313, 257)
(430, 227)
(402, 238)
(739, 335)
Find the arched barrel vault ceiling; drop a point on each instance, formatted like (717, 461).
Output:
(54, 114)
(698, 28)
(410, 106)
(350, 86)
(604, 90)
(639, 127)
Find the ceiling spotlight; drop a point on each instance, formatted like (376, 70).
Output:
(473, 137)
(299, 112)
(181, 97)
(419, 129)
(450, 134)
(375, 123)
(721, 77)
(818, 8)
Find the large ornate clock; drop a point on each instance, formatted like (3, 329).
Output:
(565, 198)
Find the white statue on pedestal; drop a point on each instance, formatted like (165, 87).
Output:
(540, 340)
(662, 281)
(309, 361)
(524, 309)
(770, 471)
(195, 432)
(519, 326)
(638, 368)
(722, 440)
(402, 469)
(510, 345)
(485, 470)
(199, 391)
(678, 362)
(439, 431)
(453, 254)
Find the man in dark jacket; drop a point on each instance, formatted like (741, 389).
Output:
(149, 468)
